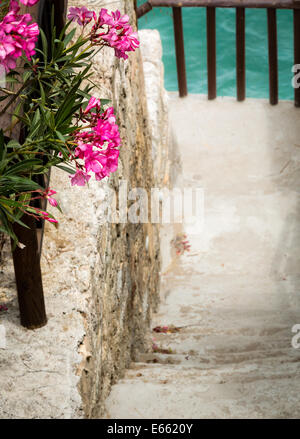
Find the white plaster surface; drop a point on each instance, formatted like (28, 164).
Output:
(236, 294)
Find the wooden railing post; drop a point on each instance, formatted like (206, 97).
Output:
(28, 276)
(135, 10)
(273, 56)
(297, 50)
(240, 54)
(179, 47)
(211, 52)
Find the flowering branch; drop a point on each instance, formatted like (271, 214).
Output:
(65, 126)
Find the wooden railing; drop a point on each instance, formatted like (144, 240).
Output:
(240, 5)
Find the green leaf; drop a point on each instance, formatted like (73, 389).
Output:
(9, 214)
(43, 96)
(105, 101)
(60, 136)
(66, 169)
(13, 144)
(45, 45)
(6, 227)
(11, 80)
(25, 166)
(27, 75)
(35, 126)
(69, 37)
(12, 184)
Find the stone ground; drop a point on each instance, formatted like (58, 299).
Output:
(235, 296)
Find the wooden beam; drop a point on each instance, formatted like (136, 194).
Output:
(273, 56)
(211, 52)
(28, 276)
(279, 4)
(179, 47)
(297, 50)
(240, 54)
(143, 9)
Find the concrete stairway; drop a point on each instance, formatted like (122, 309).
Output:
(236, 295)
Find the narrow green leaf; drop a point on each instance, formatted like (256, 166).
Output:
(45, 45)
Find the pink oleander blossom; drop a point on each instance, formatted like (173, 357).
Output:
(114, 30)
(48, 196)
(45, 216)
(93, 103)
(14, 6)
(109, 29)
(29, 2)
(49, 219)
(7, 45)
(82, 15)
(105, 18)
(80, 178)
(97, 144)
(18, 35)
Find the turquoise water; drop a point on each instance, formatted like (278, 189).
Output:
(194, 22)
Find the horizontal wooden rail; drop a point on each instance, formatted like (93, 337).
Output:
(278, 4)
(143, 9)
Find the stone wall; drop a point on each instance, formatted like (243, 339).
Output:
(101, 280)
(121, 271)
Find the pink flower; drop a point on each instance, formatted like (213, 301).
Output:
(114, 31)
(115, 19)
(96, 146)
(17, 36)
(112, 160)
(94, 162)
(51, 220)
(51, 200)
(9, 63)
(83, 150)
(93, 103)
(7, 46)
(46, 217)
(120, 20)
(105, 18)
(80, 178)
(48, 195)
(29, 2)
(126, 42)
(82, 15)
(14, 6)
